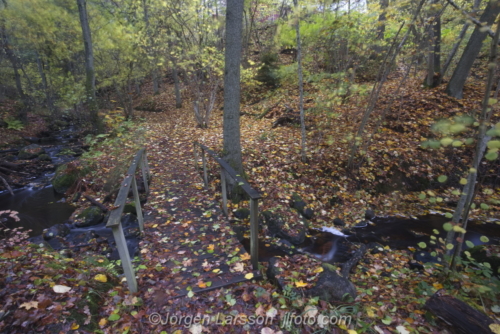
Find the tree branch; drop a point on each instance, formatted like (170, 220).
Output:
(473, 19)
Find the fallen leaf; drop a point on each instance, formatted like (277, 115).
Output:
(29, 305)
(61, 288)
(101, 278)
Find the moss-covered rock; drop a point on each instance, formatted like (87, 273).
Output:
(66, 175)
(130, 208)
(30, 152)
(89, 217)
(44, 157)
(285, 224)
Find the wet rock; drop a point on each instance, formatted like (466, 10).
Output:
(59, 230)
(330, 286)
(243, 213)
(66, 175)
(130, 208)
(32, 139)
(376, 248)
(361, 224)
(44, 157)
(30, 152)
(426, 257)
(282, 226)
(90, 217)
(369, 214)
(338, 222)
(300, 205)
(80, 238)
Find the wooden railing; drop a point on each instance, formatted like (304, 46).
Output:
(252, 193)
(114, 221)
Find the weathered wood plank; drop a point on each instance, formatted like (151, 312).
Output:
(241, 182)
(138, 209)
(115, 216)
(128, 269)
(254, 233)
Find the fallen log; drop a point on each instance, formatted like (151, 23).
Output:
(462, 317)
(353, 261)
(9, 150)
(6, 184)
(96, 203)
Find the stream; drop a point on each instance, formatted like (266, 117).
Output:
(38, 205)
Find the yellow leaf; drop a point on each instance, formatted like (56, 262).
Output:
(103, 322)
(352, 331)
(495, 328)
(155, 225)
(245, 256)
(249, 276)
(75, 326)
(437, 286)
(216, 270)
(100, 260)
(318, 270)
(211, 247)
(101, 278)
(202, 284)
(370, 312)
(300, 284)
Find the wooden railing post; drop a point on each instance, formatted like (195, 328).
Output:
(128, 269)
(228, 171)
(254, 233)
(138, 208)
(205, 176)
(114, 221)
(224, 191)
(145, 172)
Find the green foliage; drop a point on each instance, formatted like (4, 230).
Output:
(267, 73)
(14, 124)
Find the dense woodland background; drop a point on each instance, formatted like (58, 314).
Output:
(390, 106)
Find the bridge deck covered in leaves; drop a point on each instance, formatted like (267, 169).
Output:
(189, 245)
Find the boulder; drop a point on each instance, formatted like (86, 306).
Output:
(300, 205)
(329, 286)
(65, 176)
(59, 230)
(30, 152)
(369, 214)
(44, 157)
(130, 208)
(338, 222)
(283, 225)
(243, 213)
(89, 217)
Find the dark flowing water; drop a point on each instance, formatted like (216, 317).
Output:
(396, 232)
(38, 208)
(38, 205)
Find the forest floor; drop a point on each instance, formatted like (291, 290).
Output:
(398, 177)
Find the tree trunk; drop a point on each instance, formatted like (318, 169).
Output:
(301, 86)
(457, 81)
(178, 99)
(454, 49)
(382, 18)
(462, 210)
(89, 67)
(231, 128)
(23, 110)
(155, 76)
(46, 88)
